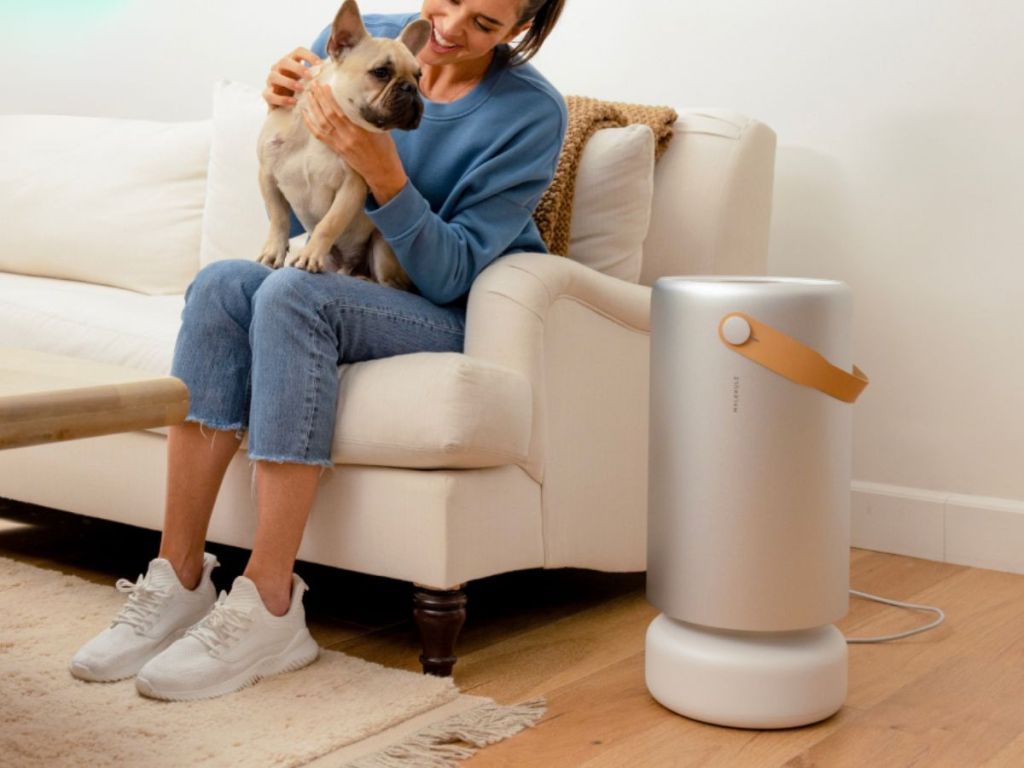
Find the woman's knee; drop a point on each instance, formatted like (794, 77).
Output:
(223, 283)
(288, 292)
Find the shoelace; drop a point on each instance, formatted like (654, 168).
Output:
(143, 601)
(221, 626)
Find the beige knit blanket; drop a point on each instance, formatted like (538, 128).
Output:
(586, 115)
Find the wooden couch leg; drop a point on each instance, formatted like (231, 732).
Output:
(439, 614)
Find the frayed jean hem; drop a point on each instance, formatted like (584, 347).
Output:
(323, 463)
(237, 427)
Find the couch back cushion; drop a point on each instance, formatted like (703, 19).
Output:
(611, 206)
(235, 223)
(102, 200)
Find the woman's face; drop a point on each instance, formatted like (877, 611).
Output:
(463, 30)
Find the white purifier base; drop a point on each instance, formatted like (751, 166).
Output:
(746, 679)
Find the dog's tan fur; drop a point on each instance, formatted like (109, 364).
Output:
(300, 173)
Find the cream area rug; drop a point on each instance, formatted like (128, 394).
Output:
(339, 712)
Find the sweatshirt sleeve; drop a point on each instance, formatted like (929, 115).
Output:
(494, 204)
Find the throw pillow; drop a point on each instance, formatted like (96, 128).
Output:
(103, 200)
(612, 201)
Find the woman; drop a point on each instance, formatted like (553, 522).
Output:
(259, 349)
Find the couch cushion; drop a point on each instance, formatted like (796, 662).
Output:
(432, 410)
(103, 200)
(235, 222)
(95, 322)
(425, 410)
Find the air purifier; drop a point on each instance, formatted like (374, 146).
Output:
(749, 492)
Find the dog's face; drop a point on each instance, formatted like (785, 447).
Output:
(376, 78)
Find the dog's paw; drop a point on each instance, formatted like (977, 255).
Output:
(273, 256)
(308, 259)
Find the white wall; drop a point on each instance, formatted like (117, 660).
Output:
(145, 59)
(900, 166)
(900, 171)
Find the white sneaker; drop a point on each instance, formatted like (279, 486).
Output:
(238, 643)
(158, 611)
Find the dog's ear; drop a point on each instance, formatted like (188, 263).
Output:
(347, 30)
(415, 35)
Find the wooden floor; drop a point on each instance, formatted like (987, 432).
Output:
(950, 697)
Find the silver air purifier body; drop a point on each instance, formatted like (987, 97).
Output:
(749, 492)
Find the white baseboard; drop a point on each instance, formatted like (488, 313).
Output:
(968, 530)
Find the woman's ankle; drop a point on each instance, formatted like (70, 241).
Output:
(276, 592)
(188, 568)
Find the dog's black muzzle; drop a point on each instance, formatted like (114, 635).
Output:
(408, 106)
(402, 108)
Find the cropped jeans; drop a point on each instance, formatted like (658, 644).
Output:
(259, 349)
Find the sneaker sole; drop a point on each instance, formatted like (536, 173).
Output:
(301, 652)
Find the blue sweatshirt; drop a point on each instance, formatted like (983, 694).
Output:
(477, 168)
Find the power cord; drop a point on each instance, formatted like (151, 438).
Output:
(898, 604)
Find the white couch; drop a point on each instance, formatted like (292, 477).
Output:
(527, 451)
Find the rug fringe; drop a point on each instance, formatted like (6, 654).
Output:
(442, 744)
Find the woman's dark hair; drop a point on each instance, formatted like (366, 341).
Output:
(543, 14)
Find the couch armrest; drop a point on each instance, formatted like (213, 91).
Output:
(582, 340)
(532, 281)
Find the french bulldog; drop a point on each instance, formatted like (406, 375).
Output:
(375, 82)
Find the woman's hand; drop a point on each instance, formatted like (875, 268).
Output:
(370, 154)
(287, 77)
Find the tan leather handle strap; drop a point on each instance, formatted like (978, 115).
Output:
(789, 358)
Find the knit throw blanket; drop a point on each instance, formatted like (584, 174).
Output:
(586, 116)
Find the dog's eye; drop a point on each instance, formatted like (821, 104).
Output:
(381, 73)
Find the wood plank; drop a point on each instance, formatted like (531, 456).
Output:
(557, 654)
(676, 743)
(44, 398)
(1010, 756)
(583, 720)
(45, 417)
(980, 605)
(609, 719)
(961, 713)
